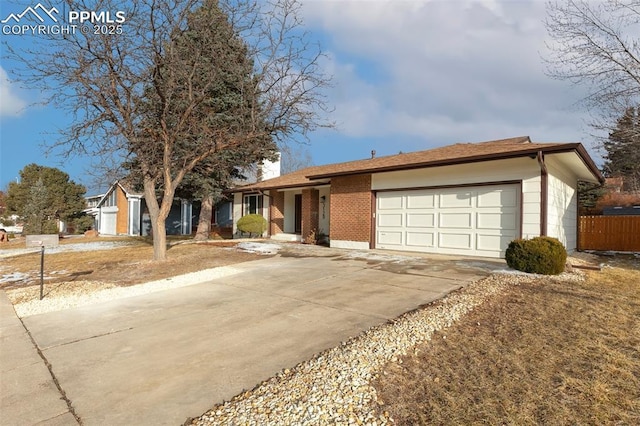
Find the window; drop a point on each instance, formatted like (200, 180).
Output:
(253, 204)
(111, 200)
(223, 214)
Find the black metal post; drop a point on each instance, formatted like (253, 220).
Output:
(41, 272)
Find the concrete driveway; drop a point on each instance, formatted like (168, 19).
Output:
(161, 358)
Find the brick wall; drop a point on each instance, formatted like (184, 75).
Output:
(276, 213)
(351, 208)
(122, 218)
(310, 207)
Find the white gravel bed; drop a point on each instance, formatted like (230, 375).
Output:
(52, 304)
(334, 387)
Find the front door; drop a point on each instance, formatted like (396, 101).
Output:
(298, 214)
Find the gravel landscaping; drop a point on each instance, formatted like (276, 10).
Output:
(335, 386)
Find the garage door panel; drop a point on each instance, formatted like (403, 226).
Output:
(500, 198)
(455, 240)
(420, 201)
(391, 238)
(497, 220)
(478, 220)
(420, 239)
(488, 242)
(456, 200)
(390, 202)
(421, 220)
(390, 219)
(455, 220)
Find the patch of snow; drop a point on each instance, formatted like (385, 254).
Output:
(96, 245)
(367, 255)
(93, 246)
(259, 248)
(12, 278)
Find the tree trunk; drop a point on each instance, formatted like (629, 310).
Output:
(204, 220)
(158, 215)
(159, 239)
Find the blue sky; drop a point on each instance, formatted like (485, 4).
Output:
(407, 76)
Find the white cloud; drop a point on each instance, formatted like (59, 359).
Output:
(12, 105)
(444, 71)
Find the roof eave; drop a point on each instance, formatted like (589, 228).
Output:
(276, 187)
(588, 162)
(472, 159)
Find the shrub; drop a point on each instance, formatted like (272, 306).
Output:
(540, 255)
(252, 224)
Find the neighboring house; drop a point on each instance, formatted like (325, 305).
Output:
(121, 211)
(466, 199)
(222, 220)
(616, 201)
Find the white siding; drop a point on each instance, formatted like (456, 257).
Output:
(237, 210)
(562, 204)
(266, 202)
(290, 211)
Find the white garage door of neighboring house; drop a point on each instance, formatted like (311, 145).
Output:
(108, 223)
(477, 221)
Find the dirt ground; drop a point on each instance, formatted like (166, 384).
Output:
(122, 266)
(545, 352)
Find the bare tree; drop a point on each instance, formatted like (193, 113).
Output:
(595, 44)
(295, 157)
(134, 93)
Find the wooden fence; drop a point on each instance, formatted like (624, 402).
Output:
(617, 233)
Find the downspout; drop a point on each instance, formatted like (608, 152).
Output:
(543, 194)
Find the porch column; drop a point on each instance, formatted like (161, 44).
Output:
(276, 213)
(310, 207)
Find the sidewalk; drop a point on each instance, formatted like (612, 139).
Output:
(28, 394)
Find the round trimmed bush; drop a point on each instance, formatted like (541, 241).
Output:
(252, 224)
(539, 255)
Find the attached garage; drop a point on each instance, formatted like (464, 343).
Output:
(473, 220)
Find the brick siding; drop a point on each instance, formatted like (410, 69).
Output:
(310, 207)
(351, 208)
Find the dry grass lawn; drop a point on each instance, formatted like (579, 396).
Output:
(544, 353)
(122, 266)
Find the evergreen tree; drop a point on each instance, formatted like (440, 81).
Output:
(43, 196)
(210, 61)
(588, 196)
(38, 215)
(622, 157)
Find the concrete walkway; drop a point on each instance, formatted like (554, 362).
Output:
(28, 394)
(163, 357)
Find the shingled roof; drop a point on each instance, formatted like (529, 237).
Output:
(447, 155)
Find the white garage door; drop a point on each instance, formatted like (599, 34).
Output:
(108, 223)
(477, 221)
